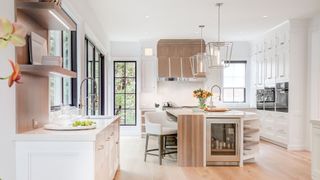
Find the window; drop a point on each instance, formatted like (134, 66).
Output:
(125, 91)
(95, 70)
(234, 82)
(63, 90)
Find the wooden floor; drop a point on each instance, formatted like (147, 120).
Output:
(272, 163)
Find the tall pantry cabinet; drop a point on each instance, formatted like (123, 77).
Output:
(280, 55)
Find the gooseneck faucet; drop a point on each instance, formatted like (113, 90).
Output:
(81, 103)
(215, 86)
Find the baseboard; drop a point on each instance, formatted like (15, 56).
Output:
(296, 147)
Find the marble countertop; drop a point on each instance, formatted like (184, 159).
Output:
(228, 114)
(42, 134)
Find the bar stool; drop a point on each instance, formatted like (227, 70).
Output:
(159, 126)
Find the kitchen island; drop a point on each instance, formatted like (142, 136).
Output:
(92, 154)
(215, 138)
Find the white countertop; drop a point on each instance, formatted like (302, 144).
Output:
(228, 114)
(42, 134)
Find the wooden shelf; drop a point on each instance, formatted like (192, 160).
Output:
(250, 130)
(48, 15)
(223, 150)
(46, 70)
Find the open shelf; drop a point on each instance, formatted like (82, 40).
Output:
(48, 15)
(46, 70)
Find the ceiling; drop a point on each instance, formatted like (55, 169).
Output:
(242, 20)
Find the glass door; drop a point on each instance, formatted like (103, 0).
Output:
(223, 139)
(125, 92)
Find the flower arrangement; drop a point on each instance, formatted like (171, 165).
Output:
(202, 96)
(15, 34)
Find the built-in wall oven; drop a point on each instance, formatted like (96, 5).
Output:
(269, 99)
(282, 97)
(222, 141)
(260, 99)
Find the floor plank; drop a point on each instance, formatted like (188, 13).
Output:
(272, 163)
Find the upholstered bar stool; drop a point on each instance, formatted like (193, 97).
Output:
(157, 124)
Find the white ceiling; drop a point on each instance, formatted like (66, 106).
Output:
(125, 20)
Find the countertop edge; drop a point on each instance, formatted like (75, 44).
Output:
(88, 136)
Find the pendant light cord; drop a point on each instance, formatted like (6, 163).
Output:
(219, 21)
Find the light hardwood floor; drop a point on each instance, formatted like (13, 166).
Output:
(272, 163)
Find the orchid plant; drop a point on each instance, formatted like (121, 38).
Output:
(15, 34)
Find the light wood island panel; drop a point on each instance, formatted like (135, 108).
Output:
(190, 140)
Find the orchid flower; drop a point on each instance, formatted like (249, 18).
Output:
(15, 76)
(11, 32)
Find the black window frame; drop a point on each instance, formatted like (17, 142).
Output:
(102, 73)
(74, 83)
(233, 88)
(135, 93)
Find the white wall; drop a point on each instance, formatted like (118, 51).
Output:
(313, 84)
(7, 104)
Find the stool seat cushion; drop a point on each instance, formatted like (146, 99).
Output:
(169, 130)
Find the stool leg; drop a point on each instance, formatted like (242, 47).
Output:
(160, 149)
(146, 148)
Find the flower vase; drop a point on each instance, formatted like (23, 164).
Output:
(202, 103)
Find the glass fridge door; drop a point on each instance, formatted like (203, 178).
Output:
(223, 139)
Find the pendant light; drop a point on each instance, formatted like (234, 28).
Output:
(198, 61)
(219, 53)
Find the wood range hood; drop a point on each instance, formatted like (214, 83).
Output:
(174, 63)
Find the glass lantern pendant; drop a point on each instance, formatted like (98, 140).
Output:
(198, 61)
(219, 53)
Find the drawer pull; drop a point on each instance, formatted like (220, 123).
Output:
(108, 139)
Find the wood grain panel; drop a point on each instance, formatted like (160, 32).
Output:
(22, 54)
(32, 102)
(190, 140)
(175, 66)
(163, 66)
(187, 70)
(176, 49)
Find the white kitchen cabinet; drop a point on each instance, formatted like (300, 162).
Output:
(148, 74)
(274, 127)
(68, 155)
(285, 51)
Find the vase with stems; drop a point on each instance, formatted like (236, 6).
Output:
(202, 96)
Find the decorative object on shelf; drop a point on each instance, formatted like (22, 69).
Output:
(202, 96)
(198, 60)
(15, 34)
(219, 53)
(39, 48)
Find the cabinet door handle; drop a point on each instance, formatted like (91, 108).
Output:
(108, 139)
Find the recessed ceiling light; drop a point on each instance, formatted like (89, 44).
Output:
(147, 16)
(264, 16)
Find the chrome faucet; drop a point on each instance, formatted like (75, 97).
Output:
(81, 103)
(211, 101)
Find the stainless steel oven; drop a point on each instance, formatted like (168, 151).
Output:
(269, 99)
(260, 99)
(282, 97)
(223, 141)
